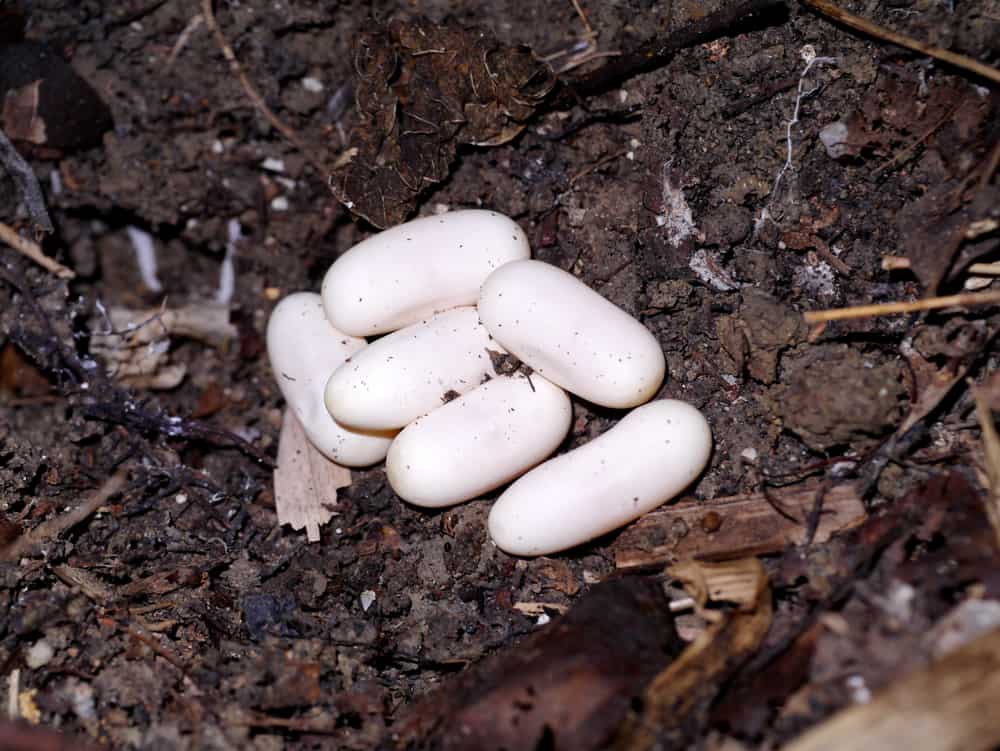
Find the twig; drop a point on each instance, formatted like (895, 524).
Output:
(897, 263)
(966, 299)
(590, 33)
(30, 541)
(32, 250)
(991, 450)
(184, 37)
(901, 40)
(234, 65)
(597, 165)
(742, 105)
(26, 182)
(100, 399)
(657, 52)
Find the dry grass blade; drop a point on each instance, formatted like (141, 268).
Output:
(967, 299)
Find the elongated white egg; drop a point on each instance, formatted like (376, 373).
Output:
(571, 335)
(650, 456)
(410, 372)
(479, 441)
(304, 349)
(411, 271)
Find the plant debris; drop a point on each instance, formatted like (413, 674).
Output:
(424, 88)
(837, 551)
(305, 481)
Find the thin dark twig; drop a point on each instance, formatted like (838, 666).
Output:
(816, 512)
(100, 398)
(740, 106)
(656, 52)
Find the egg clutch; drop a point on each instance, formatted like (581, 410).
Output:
(459, 300)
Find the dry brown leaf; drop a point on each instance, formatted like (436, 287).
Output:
(423, 88)
(305, 481)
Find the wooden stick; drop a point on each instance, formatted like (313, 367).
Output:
(966, 299)
(901, 40)
(735, 526)
(29, 542)
(32, 250)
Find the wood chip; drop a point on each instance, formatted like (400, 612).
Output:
(305, 481)
(734, 526)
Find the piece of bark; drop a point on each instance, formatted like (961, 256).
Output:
(672, 707)
(735, 526)
(565, 686)
(950, 704)
(935, 540)
(305, 481)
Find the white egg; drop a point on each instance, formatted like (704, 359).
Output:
(650, 456)
(410, 372)
(419, 268)
(304, 349)
(479, 441)
(571, 335)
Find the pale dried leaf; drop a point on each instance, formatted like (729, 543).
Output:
(135, 345)
(305, 481)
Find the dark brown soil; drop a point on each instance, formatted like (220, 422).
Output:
(181, 616)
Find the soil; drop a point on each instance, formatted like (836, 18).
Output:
(182, 616)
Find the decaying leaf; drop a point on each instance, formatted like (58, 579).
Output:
(422, 89)
(935, 232)
(305, 481)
